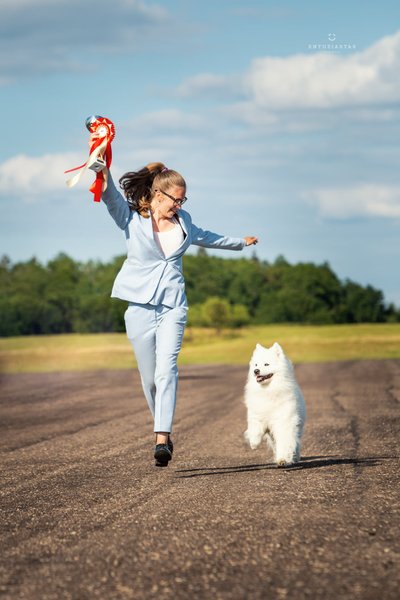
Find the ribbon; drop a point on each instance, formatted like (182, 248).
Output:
(102, 133)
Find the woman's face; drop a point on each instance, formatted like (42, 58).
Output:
(167, 201)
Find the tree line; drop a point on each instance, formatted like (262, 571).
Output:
(65, 296)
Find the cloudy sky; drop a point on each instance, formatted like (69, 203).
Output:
(282, 116)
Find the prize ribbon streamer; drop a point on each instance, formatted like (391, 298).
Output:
(102, 133)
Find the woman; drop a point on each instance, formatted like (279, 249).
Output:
(158, 232)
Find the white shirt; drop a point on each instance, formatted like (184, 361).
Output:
(169, 241)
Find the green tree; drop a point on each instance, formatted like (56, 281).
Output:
(61, 291)
(216, 312)
(363, 304)
(239, 315)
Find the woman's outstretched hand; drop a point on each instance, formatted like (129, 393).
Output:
(251, 240)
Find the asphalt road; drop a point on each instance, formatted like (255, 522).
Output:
(86, 515)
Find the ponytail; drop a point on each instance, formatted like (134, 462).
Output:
(140, 186)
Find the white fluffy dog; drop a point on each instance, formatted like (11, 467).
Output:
(276, 410)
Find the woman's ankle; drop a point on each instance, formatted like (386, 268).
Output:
(162, 437)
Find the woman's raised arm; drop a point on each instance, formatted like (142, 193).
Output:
(116, 203)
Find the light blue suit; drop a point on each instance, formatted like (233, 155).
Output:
(154, 286)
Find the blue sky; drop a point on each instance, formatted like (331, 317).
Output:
(279, 131)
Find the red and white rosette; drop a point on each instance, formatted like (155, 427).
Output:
(102, 133)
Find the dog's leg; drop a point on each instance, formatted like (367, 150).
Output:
(286, 445)
(254, 433)
(299, 436)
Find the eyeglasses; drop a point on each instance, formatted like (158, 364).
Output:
(178, 201)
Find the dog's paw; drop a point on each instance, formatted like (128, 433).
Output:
(283, 463)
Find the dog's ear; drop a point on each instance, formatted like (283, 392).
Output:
(259, 347)
(277, 349)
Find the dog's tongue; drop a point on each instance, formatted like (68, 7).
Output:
(261, 378)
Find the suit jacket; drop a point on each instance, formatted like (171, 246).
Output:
(147, 276)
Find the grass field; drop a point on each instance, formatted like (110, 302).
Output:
(112, 351)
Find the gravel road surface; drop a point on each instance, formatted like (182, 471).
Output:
(86, 515)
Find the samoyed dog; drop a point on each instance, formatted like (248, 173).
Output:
(276, 411)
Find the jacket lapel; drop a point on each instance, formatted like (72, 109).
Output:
(147, 229)
(183, 225)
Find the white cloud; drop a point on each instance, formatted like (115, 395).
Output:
(365, 200)
(44, 36)
(316, 80)
(30, 177)
(327, 80)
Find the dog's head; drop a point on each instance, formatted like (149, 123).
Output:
(266, 362)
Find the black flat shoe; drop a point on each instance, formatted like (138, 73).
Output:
(170, 445)
(162, 454)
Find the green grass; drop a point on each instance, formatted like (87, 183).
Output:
(302, 343)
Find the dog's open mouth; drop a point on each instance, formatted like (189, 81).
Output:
(261, 378)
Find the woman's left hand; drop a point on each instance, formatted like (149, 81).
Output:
(251, 240)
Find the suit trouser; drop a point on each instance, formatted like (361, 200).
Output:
(156, 334)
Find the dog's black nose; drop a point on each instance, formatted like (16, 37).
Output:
(256, 371)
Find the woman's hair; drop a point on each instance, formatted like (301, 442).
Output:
(140, 186)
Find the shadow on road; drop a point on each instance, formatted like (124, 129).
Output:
(307, 462)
